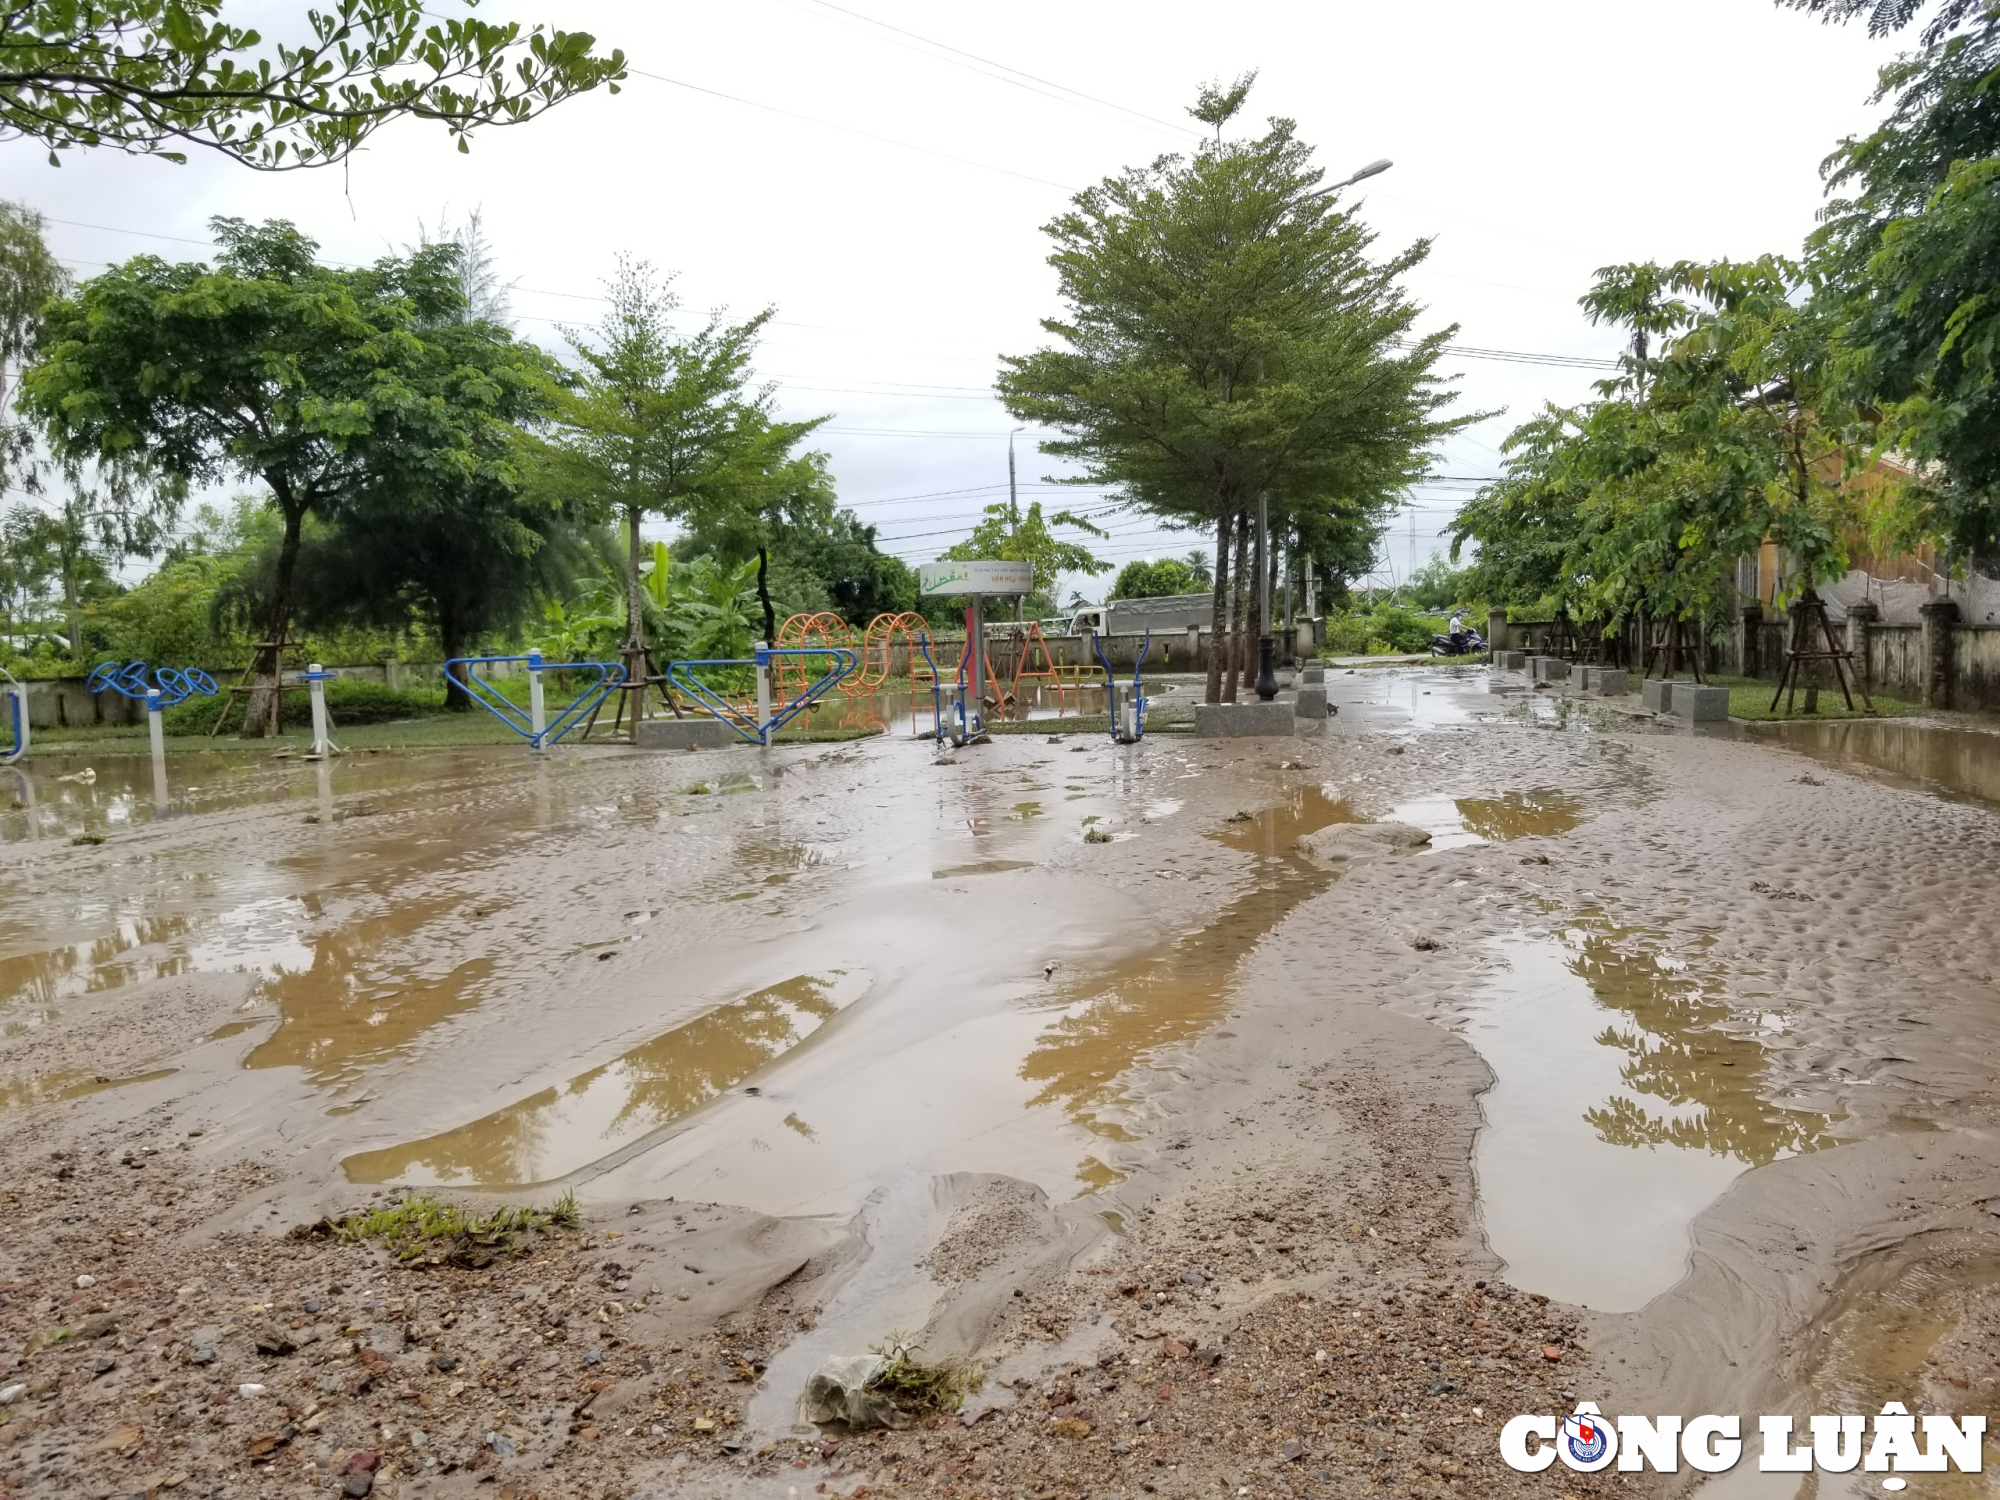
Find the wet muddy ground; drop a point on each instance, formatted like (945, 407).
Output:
(1663, 1074)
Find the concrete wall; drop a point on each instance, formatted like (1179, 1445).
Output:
(1942, 662)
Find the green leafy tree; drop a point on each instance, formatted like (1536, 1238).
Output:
(320, 382)
(1003, 536)
(450, 535)
(1907, 262)
(664, 425)
(153, 76)
(1158, 579)
(1225, 335)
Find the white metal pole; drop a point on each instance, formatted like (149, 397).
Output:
(315, 675)
(537, 710)
(762, 654)
(156, 732)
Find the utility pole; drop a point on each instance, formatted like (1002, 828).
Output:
(1014, 511)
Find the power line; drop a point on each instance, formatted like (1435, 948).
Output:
(990, 68)
(887, 140)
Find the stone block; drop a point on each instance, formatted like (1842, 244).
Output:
(684, 734)
(1699, 704)
(1312, 674)
(1509, 661)
(1611, 682)
(1657, 693)
(1310, 704)
(1547, 669)
(1229, 721)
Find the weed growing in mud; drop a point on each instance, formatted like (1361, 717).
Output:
(917, 1387)
(421, 1229)
(1096, 836)
(697, 789)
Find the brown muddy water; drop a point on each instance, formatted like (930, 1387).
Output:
(1621, 1108)
(814, 980)
(1947, 759)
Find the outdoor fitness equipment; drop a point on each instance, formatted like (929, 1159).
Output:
(1128, 712)
(16, 717)
(535, 726)
(316, 677)
(961, 720)
(172, 685)
(169, 686)
(769, 661)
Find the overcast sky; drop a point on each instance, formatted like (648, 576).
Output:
(886, 193)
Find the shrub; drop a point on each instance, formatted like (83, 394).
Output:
(1401, 631)
(348, 701)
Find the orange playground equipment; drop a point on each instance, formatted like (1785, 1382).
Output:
(793, 676)
(878, 643)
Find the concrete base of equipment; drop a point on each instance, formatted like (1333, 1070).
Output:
(1657, 693)
(684, 734)
(1547, 669)
(1509, 661)
(1229, 721)
(1698, 704)
(1312, 674)
(1311, 703)
(1607, 682)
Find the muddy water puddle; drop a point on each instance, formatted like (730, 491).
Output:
(1880, 1340)
(1940, 758)
(1092, 1063)
(1627, 1097)
(560, 1130)
(1458, 822)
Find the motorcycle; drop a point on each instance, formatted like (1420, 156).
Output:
(1471, 643)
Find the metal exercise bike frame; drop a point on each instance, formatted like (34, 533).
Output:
(174, 685)
(681, 675)
(1131, 732)
(530, 724)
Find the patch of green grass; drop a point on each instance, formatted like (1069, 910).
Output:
(918, 1387)
(1750, 698)
(423, 1229)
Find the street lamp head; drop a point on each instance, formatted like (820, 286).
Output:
(1373, 169)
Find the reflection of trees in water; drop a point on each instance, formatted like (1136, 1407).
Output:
(1678, 1053)
(655, 1083)
(690, 1065)
(52, 973)
(350, 1005)
(1542, 812)
(1160, 999)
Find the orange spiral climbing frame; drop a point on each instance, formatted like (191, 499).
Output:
(878, 644)
(794, 673)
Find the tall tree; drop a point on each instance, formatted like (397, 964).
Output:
(152, 76)
(317, 381)
(663, 424)
(447, 533)
(1226, 335)
(1907, 260)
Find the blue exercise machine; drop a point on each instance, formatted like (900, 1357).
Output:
(16, 717)
(534, 725)
(758, 729)
(171, 684)
(1128, 718)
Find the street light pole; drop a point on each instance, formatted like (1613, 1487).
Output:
(1373, 169)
